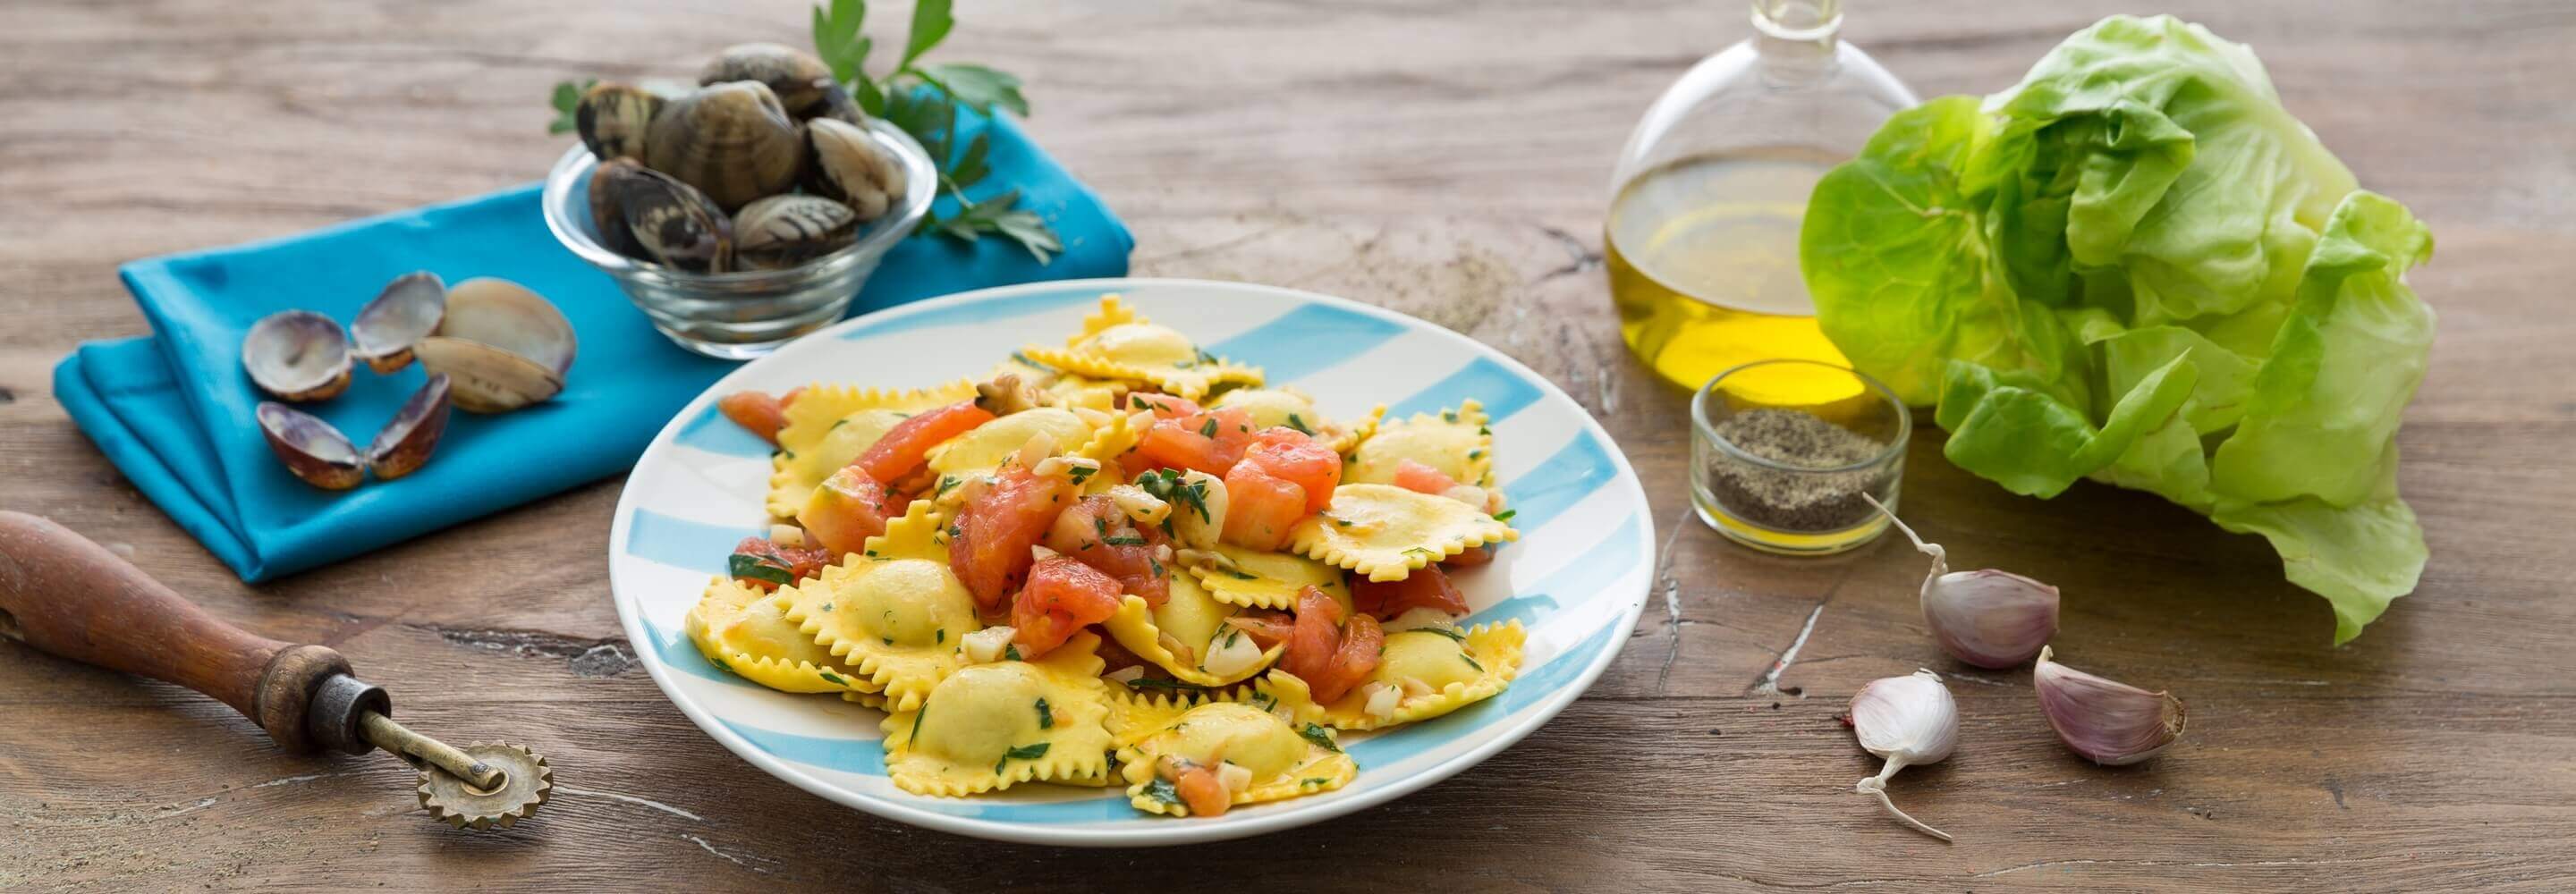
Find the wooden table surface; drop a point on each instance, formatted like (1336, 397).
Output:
(1449, 160)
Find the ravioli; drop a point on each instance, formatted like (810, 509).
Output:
(1456, 442)
(991, 726)
(1195, 625)
(814, 443)
(1385, 532)
(1120, 344)
(739, 628)
(1280, 761)
(978, 452)
(1291, 408)
(894, 611)
(1266, 579)
(1057, 388)
(1438, 670)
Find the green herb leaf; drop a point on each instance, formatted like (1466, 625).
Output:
(1046, 716)
(835, 679)
(1163, 790)
(997, 215)
(1124, 540)
(1157, 683)
(1314, 732)
(567, 103)
(837, 38)
(1298, 423)
(1506, 515)
(1011, 652)
(1208, 430)
(980, 87)
(1237, 575)
(946, 483)
(749, 567)
(1471, 662)
(1450, 632)
(930, 24)
(1080, 474)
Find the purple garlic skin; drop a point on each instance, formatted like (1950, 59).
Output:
(2108, 722)
(1988, 618)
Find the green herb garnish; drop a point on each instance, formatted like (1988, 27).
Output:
(834, 679)
(1314, 732)
(744, 566)
(946, 483)
(1124, 540)
(1450, 632)
(1300, 425)
(1208, 429)
(1046, 717)
(567, 103)
(1471, 661)
(1506, 515)
(1011, 652)
(1163, 790)
(1022, 753)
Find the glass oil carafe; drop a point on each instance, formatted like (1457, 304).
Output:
(1702, 241)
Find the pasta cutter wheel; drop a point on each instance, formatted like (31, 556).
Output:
(66, 595)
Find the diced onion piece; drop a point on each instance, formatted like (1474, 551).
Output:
(1468, 494)
(1063, 466)
(1236, 777)
(1141, 507)
(1231, 654)
(1382, 699)
(787, 536)
(1173, 645)
(1039, 447)
(1126, 675)
(1097, 419)
(1039, 552)
(1414, 687)
(1420, 617)
(987, 645)
(1191, 528)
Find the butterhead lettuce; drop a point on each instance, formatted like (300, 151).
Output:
(2135, 266)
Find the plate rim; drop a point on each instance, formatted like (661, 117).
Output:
(630, 614)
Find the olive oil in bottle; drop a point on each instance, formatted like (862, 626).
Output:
(1703, 260)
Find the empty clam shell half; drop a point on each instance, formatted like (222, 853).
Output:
(311, 448)
(407, 311)
(297, 355)
(613, 119)
(503, 346)
(845, 164)
(799, 79)
(784, 231)
(732, 141)
(404, 444)
(666, 220)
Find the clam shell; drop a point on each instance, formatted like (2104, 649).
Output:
(733, 141)
(837, 105)
(311, 448)
(404, 444)
(613, 119)
(669, 221)
(843, 163)
(407, 311)
(796, 77)
(784, 231)
(605, 215)
(297, 355)
(503, 346)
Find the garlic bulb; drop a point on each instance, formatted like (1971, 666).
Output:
(2108, 722)
(1988, 618)
(1908, 721)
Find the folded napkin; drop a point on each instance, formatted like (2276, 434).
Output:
(174, 410)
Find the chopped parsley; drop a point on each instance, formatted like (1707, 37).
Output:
(1156, 564)
(1471, 661)
(1206, 430)
(1300, 425)
(888, 640)
(943, 634)
(946, 483)
(1011, 652)
(1022, 753)
(1079, 474)
(835, 679)
(1506, 515)
(790, 454)
(1265, 700)
(1237, 575)
(763, 568)
(1314, 732)
(1478, 453)
(1450, 632)
(1124, 540)
(1310, 780)
(1163, 790)
(826, 608)
(837, 423)
(1448, 415)
(1155, 683)
(1433, 553)
(1046, 717)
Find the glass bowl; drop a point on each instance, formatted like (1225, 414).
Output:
(746, 313)
(1783, 453)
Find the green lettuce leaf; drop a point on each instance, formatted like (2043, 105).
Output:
(2136, 266)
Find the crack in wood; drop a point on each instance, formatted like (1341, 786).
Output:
(1768, 685)
(1672, 602)
(587, 657)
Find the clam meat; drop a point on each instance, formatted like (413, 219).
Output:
(802, 83)
(784, 231)
(312, 449)
(407, 311)
(297, 355)
(502, 346)
(844, 163)
(664, 219)
(733, 141)
(613, 118)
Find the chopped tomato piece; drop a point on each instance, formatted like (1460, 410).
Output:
(1095, 533)
(1419, 478)
(1062, 597)
(1267, 628)
(1331, 655)
(1164, 406)
(989, 548)
(847, 509)
(1260, 507)
(1473, 556)
(1425, 588)
(1203, 791)
(758, 562)
(757, 412)
(1290, 455)
(905, 446)
(1209, 441)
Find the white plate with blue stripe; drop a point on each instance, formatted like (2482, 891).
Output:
(1577, 578)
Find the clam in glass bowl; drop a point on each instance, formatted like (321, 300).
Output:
(1782, 452)
(751, 312)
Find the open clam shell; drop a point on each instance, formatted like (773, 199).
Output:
(407, 311)
(733, 141)
(844, 164)
(297, 355)
(784, 231)
(502, 346)
(800, 80)
(404, 444)
(312, 449)
(613, 119)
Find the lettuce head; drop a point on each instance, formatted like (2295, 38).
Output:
(2135, 266)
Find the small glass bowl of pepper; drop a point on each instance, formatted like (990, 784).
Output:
(1786, 454)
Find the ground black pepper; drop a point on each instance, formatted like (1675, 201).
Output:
(1794, 501)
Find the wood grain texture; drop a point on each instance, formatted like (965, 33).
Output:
(1448, 160)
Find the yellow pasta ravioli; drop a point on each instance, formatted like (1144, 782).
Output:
(1385, 532)
(830, 425)
(990, 726)
(1118, 343)
(894, 612)
(1187, 635)
(738, 627)
(1455, 442)
(1432, 671)
(1260, 755)
(1057, 388)
(1289, 407)
(1257, 579)
(980, 451)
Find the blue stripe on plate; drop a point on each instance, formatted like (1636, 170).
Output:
(1503, 392)
(1555, 485)
(1307, 341)
(681, 543)
(974, 312)
(713, 433)
(861, 756)
(678, 654)
(1577, 582)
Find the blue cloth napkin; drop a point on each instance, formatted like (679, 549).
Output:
(174, 410)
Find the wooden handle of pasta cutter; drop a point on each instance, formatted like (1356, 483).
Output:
(62, 593)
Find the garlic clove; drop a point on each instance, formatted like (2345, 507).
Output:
(1908, 721)
(2108, 722)
(1989, 618)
